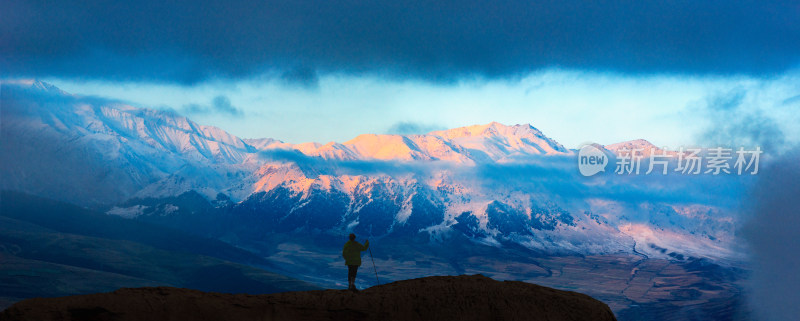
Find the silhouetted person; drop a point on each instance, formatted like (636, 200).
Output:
(352, 258)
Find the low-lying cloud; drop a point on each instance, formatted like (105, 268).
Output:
(413, 128)
(220, 105)
(735, 123)
(546, 174)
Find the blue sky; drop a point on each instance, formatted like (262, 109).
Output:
(673, 72)
(570, 106)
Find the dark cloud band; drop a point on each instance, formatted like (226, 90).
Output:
(191, 41)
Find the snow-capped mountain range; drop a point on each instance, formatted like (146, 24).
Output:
(491, 183)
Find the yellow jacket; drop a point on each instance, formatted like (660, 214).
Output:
(352, 252)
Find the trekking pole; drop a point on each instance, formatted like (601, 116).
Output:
(373, 266)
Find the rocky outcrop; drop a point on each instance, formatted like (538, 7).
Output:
(461, 298)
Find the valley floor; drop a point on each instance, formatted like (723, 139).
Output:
(634, 287)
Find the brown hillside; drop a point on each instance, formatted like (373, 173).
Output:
(461, 298)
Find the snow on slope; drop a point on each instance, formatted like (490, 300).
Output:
(153, 147)
(497, 141)
(94, 151)
(468, 145)
(167, 132)
(641, 146)
(386, 147)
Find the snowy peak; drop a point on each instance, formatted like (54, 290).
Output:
(631, 144)
(441, 149)
(644, 148)
(50, 88)
(496, 141)
(467, 145)
(143, 132)
(104, 120)
(386, 147)
(170, 132)
(489, 130)
(101, 152)
(36, 85)
(163, 152)
(478, 143)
